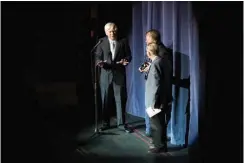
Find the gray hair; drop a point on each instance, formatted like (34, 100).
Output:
(110, 25)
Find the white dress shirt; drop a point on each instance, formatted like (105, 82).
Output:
(112, 47)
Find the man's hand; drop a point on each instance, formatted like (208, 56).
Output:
(146, 67)
(144, 70)
(101, 63)
(123, 62)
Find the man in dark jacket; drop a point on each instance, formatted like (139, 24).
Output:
(112, 56)
(153, 36)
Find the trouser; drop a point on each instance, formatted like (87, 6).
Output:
(118, 92)
(147, 119)
(159, 129)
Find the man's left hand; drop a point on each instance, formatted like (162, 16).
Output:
(123, 62)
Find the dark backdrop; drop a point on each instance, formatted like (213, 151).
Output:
(43, 43)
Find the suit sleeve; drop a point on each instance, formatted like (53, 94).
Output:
(98, 54)
(156, 84)
(99, 57)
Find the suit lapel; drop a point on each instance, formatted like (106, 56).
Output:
(107, 48)
(116, 50)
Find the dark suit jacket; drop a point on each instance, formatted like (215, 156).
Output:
(112, 71)
(162, 51)
(159, 84)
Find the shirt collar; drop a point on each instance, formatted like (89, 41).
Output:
(156, 57)
(111, 41)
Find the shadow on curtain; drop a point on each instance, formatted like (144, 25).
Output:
(178, 29)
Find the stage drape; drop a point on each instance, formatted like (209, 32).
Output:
(178, 28)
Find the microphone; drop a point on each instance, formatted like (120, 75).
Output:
(99, 42)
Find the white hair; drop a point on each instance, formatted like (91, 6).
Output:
(110, 25)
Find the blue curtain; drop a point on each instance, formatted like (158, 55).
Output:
(178, 29)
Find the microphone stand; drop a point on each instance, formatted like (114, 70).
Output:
(94, 71)
(94, 79)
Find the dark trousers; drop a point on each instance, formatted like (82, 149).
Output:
(159, 129)
(167, 116)
(109, 92)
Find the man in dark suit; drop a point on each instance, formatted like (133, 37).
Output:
(158, 95)
(112, 56)
(153, 36)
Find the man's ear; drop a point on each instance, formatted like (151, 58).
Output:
(149, 53)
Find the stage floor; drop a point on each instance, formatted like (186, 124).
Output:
(65, 137)
(115, 145)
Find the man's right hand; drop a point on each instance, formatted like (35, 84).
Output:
(101, 63)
